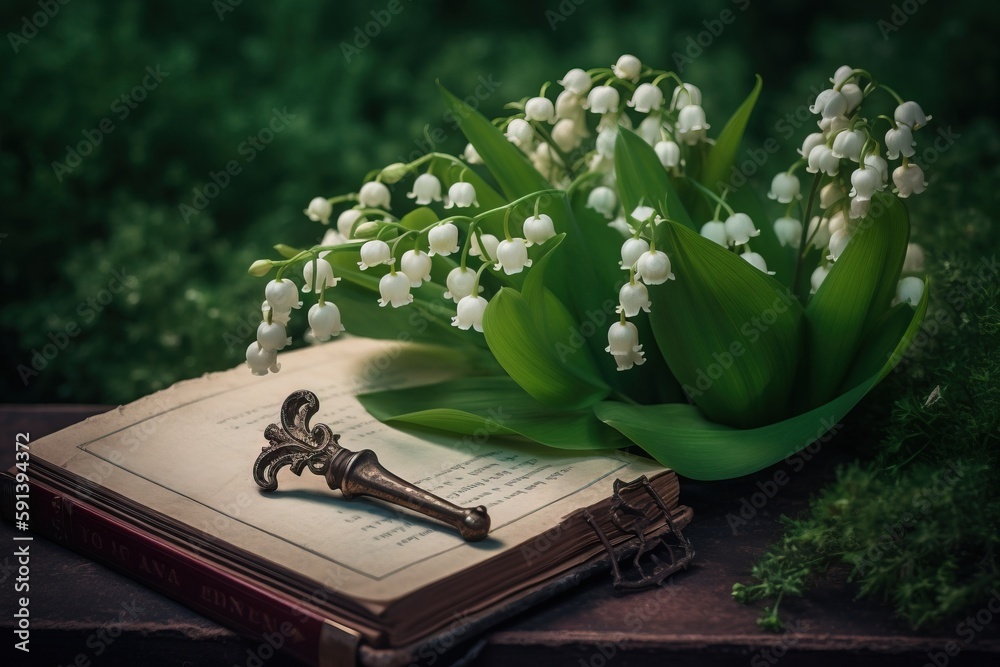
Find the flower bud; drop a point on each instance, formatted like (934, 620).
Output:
(261, 267)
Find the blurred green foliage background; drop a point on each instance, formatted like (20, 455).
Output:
(187, 305)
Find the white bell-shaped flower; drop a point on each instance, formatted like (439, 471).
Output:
(460, 283)
(282, 316)
(646, 98)
(784, 187)
(628, 67)
(623, 343)
(829, 104)
(566, 135)
(669, 153)
(540, 109)
(740, 229)
(909, 290)
(818, 276)
(603, 200)
(520, 133)
(909, 180)
(321, 276)
(715, 230)
(576, 81)
(605, 143)
(374, 195)
(373, 253)
(830, 194)
(319, 210)
(859, 208)
(685, 94)
(691, 124)
(620, 225)
(899, 141)
(443, 239)
(470, 313)
(462, 195)
(632, 298)
(324, 321)
(853, 94)
(788, 231)
(649, 129)
(416, 265)
(838, 241)
(822, 159)
(538, 229)
(331, 237)
(426, 188)
(756, 260)
(569, 106)
(810, 142)
(848, 144)
(490, 244)
(282, 295)
(347, 220)
(602, 99)
(865, 182)
(910, 113)
(512, 256)
(260, 361)
(653, 267)
(394, 289)
(819, 231)
(880, 165)
(471, 155)
(632, 250)
(642, 213)
(914, 261)
(272, 335)
(843, 74)
(837, 221)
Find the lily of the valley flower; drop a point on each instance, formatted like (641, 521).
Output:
(272, 336)
(909, 290)
(628, 67)
(633, 297)
(346, 221)
(520, 133)
(788, 231)
(443, 239)
(865, 182)
(623, 343)
(566, 134)
(646, 98)
(819, 274)
(416, 265)
(910, 113)
(843, 74)
(848, 144)
(462, 195)
(819, 231)
(880, 165)
(810, 142)
(669, 153)
(323, 275)
(512, 256)
(859, 208)
(829, 104)
(653, 267)
(603, 200)
(914, 261)
(282, 316)
(324, 321)
(838, 241)
(460, 282)
(490, 244)
(394, 289)
(691, 124)
(319, 210)
(470, 313)
(426, 189)
(632, 250)
(909, 180)
(684, 95)
(830, 194)
(538, 229)
(649, 129)
(540, 109)
(373, 253)
(282, 295)
(471, 155)
(899, 141)
(784, 188)
(756, 260)
(576, 81)
(374, 195)
(602, 99)
(715, 230)
(853, 94)
(260, 361)
(822, 159)
(740, 229)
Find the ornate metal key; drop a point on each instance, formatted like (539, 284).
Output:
(295, 445)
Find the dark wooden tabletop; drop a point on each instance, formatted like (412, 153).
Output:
(84, 614)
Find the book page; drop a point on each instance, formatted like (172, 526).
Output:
(188, 452)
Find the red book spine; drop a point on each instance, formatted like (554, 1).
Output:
(227, 597)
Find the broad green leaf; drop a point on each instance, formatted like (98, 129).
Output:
(679, 436)
(730, 333)
(419, 218)
(506, 162)
(854, 296)
(512, 331)
(481, 406)
(721, 156)
(643, 180)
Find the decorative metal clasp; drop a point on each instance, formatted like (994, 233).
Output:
(295, 445)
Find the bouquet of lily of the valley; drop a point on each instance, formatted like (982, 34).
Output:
(609, 286)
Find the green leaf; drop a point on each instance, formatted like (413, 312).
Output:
(506, 162)
(480, 406)
(419, 218)
(679, 436)
(727, 144)
(643, 180)
(730, 333)
(854, 296)
(513, 333)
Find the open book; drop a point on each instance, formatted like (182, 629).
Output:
(162, 489)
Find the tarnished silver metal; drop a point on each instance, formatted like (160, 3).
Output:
(295, 445)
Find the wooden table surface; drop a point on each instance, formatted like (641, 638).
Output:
(85, 614)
